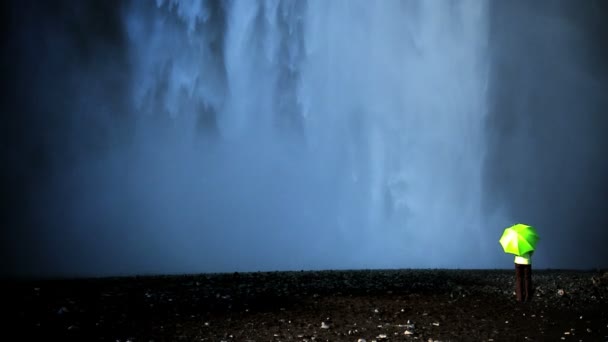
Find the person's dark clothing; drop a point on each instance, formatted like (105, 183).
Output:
(523, 282)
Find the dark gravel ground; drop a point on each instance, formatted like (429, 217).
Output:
(382, 305)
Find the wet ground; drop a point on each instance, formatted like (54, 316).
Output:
(381, 305)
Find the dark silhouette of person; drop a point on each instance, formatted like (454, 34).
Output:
(523, 277)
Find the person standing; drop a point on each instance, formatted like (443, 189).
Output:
(521, 239)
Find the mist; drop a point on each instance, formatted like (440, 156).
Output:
(162, 137)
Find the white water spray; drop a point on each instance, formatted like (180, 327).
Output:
(337, 134)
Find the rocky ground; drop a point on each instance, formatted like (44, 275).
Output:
(381, 305)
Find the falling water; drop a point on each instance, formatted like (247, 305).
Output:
(335, 134)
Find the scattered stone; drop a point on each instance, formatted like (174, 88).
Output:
(361, 340)
(539, 289)
(578, 287)
(381, 337)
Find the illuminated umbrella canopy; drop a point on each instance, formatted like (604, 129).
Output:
(519, 239)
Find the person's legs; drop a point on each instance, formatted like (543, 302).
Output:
(519, 282)
(528, 290)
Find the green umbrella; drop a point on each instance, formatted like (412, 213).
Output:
(519, 239)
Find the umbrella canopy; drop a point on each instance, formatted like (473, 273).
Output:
(519, 239)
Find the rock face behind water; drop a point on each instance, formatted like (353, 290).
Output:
(325, 305)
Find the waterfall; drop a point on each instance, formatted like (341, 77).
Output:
(333, 131)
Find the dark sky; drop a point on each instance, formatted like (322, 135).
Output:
(88, 189)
